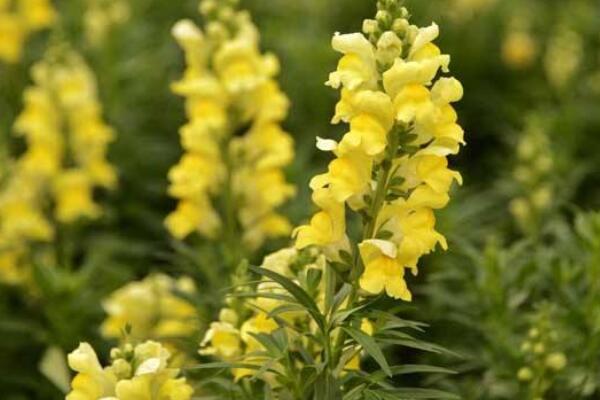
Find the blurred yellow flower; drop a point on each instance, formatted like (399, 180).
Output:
(65, 155)
(151, 309)
(230, 179)
(18, 19)
(101, 16)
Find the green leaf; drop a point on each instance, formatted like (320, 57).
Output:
(384, 235)
(327, 387)
(415, 393)
(411, 369)
(340, 296)
(370, 346)
(270, 345)
(299, 294)
(346, 257)
(404, 339)
(228, 365)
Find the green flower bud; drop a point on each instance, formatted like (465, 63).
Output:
(556, 361)
(525, 374)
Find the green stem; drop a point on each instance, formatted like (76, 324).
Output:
(383, 178)
(233, 250)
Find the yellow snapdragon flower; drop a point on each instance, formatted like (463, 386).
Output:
(135, 373)
(18, 19)
(103, 15)
(230, 178)
(391, 165)
(64, 160)
(151, 309)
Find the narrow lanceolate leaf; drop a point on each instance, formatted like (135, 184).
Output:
(411, 369)
(404, 339)
(327, 387)
(355, 393)
(229, 365)
(414, 394)
(296, 291)
(370, 346)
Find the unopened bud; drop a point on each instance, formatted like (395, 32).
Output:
(525, 374)
(556, 361)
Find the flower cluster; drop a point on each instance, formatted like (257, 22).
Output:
(152, 309)
(65, 158)
(135, 373)
(230, 179)
(232, 337)
(391, 166)
(542, 359)
(101, 16)
(563, 57)
(18, 19)
(533, 174)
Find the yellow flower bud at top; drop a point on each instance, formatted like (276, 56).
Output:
(389, 47)
(228, 315)
(370, 26)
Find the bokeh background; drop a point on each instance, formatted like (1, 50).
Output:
(524, 235)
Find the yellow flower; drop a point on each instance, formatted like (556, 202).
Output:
(73, 193)
(191, 216)
(103, 15)
(12, 36)
(391, 166)
(151, 308)
(383, 271)
(92, 381)
(358, 66)
(326, 226)
(229, 86)
(224, 340)
(140, 373)
(519, 49)
(25, 17)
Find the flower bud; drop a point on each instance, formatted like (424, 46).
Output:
(370, 26)
(389, 47)
(525, 374)
(556, 361)
(229, 316)
(539, 348)
(384, 18)
(207, 7)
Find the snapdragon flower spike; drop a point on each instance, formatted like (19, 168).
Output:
(235, 148)
(65, 159)
(391, 166)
